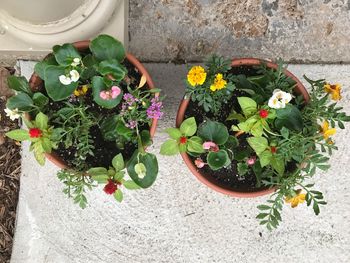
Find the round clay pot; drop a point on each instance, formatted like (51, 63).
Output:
(36, 83)
(210, 182)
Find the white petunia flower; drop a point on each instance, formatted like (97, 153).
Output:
(12, 114)
(74, 75)
(76, 62)
(279, 99)
(65, 80)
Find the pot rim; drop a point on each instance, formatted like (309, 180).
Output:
(36, 81)
(181, 114)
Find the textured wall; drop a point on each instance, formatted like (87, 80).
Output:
(296, 30)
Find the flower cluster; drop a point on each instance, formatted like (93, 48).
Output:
(154, 111)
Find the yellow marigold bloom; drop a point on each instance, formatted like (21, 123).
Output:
(334, 90)
(81, 91)
(196, 75)
(299, 198)
(219, 83)
(326, 131)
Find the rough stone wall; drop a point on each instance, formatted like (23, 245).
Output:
(189, 30)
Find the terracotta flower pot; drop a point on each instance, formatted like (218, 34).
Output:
(210, 182)
(36, 83)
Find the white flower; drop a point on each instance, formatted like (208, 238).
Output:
(13, 114)
(65, 80)
(76, 62)
(74, 75)
(279, 99)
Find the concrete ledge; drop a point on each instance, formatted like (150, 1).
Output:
(179, 219)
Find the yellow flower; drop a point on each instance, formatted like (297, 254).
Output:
(334, 90)
(196, 75)
(326, 131)
(299, 198)
(219, 83)
(81, 91)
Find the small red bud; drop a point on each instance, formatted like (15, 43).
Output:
(263, 113)
(183, 140)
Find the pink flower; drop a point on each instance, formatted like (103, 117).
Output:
(211, 146)
(251, 160)
(115, 91)
(110, 94)
(199, 163)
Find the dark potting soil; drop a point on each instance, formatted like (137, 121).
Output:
(227, 178)
(104, 151)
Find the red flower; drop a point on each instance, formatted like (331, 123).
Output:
(273, 149)
(35, 133)
(263, 113)
(110, 187)
(183, 140)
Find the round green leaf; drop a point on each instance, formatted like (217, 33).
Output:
(41, 121)
(20, 101)
(118, 162)
(19, 84)
(112, 67)
(40, 99)
(65, 54)
(150, 162)
(106, 47)
(213, 131)
(98, 85)
(195, 145)
(55, 89)
(218, 160)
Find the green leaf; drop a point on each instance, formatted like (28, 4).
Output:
(289, 117)
(101, 179)
(262, 215)
(259, 144)
(18, 135)
(316, 208)
(264, 207)
(47, 146)
(118, 195)
(112, 67)
(257, 129)
(97, 171)
(242, 168)
(150, 162)
(55, 89)
(40, 99)
(265, 158)
(131, 185)
(235, 116)
(249, 106)
(278, 165)
(213, 131)
(98, 85)
(40, 67)
(174, 133)
(39, 153)
(19, 84)
(65, 54)
(195, 145)
(285, 132)
(118, 162)
(118, 176)
(21, 101)
(231, 143)
(106, 47)
(188, 127)
(218, 160)
(169, 147)
(41, 121)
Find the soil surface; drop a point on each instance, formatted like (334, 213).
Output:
(10, 170)
(227, 178)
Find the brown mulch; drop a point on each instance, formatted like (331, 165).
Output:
(10, 169)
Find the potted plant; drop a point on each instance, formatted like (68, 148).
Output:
(248, 127)
(92, 109)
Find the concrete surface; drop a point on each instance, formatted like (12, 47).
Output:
(296, 30)
(179, 219)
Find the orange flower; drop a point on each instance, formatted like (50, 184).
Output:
(334, 90)
(299, 198)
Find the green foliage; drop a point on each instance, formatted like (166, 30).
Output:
(143, 175)
(213, 131)
(105, 47)
(218, 160)
(169, 147)
(65, 54)
(289, 117)
(248, 106)
(188, 127)
(113, 68)
(76, 185)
